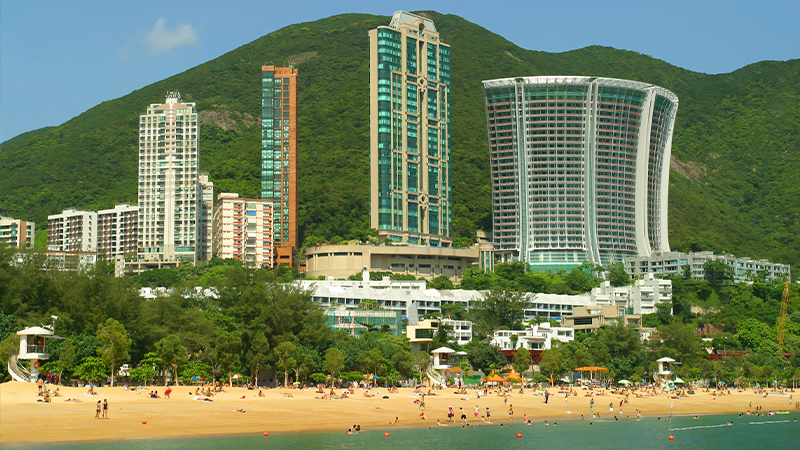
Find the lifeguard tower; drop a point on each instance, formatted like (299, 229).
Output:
(33, 347)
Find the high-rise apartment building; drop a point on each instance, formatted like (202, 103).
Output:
(410, 132)
(243, 230)
(17, 233)
(580, 168)
(205, 218)
(169, 192)
(279, 156)
(72, 231)
(117, 231)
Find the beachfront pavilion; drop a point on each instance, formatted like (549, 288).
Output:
(591, 371)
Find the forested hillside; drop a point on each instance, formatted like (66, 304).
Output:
(736, 150)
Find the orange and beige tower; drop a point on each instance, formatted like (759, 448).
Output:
(279, 157)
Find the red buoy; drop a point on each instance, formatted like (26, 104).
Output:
(144, 422)
(519, 435)
(672, 438)
(266, 434)
(386, 434)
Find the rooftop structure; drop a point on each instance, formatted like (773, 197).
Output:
(580, 168)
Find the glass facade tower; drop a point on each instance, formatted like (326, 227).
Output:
(580, 169)
(279, 157)
(410, 132)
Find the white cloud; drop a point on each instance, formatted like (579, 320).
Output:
(160, 39)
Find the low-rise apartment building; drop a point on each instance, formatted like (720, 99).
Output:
(679, 263)
(17, 233)
(243, 230)
(116, 231)
(590, 318)
(72, 231)
(536, 337)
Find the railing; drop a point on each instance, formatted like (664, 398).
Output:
(435, 377)
(32, 348)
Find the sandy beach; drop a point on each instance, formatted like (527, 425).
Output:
(23, 419)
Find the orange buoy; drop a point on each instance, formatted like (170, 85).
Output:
(672, 438)
(386, 434)
(266, 434)
(144, 422)
(519, 435)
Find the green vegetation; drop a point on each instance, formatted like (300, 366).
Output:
(736, 139)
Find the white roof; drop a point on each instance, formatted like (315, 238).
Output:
(665, 359)
(35, 331)
(443, 350)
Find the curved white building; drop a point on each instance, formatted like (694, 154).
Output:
(580, 168)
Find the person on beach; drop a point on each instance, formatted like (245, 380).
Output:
(591, 405)
(423, 416)
(40, 383)
(488, 414)
(105, 409)
(477, 412)
(394, 422)
(463, 415)
(97, 413)
(167, 392)
(511, 413)
(440, 423)
(526, 420)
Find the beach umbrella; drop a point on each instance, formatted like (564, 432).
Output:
(678, 380)
(296, 383)
(624, 382)
(197, 377)
(236, 377)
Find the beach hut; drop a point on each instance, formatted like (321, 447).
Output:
(513, 376)
(591, 371)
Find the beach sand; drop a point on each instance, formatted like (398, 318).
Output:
(23, 419)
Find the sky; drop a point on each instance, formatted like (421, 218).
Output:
(58, 58)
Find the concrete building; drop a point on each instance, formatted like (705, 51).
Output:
(580, 169)
(341, 261)
(642, 296)
(422, 332)
(589, 319)
(279, 156)
(410, 132)
(353, 320)
(462, 330)
(72, 231)
(169, 190)
(537, 337)
(243, 230)
(205, 218)
(678, 263)
(71, 261)
(17, 233)
(117, 231)
(411, 298)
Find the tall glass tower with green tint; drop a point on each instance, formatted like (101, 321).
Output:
(410, 132)
(580, 169)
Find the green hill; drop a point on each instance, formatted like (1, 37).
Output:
(736, 148)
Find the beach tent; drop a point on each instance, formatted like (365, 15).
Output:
(495, 378)
(513, 376)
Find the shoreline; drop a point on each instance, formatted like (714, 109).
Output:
(23, 421)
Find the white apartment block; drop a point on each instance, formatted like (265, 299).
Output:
(169, 190)
(642, 296)
(72, 231)
(462, 330)
(536, 337)
(411, 298)
(116, 231)
(205, 227)
(674, 263)
(243, 230)
(17, 233)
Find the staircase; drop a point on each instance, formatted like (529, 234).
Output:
(17, 371)
(436, 377)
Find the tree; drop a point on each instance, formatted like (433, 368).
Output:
(194, 368)
(717, 272)
(370, 304)
(282, 354)
(580, 278)
(453, 311)
(498, 309)
(172, 353)
(441, 282)
(148, 368)
(258, 355)
(522, 360)
(421, 361)
(371, 361)
(114, 344)
(92, 369)
(483, 356)
(618, 276)
(228, 346)
(751, 333)
(334, 362)
(66, 357)
(403, 362)
(551, 364)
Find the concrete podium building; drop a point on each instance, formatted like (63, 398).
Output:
(580, 169)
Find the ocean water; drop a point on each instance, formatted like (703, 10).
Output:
(707, 432)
